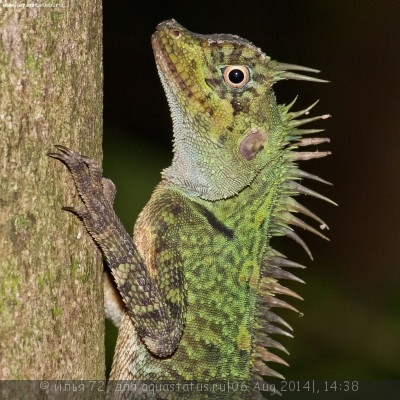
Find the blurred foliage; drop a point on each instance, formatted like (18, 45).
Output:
(351, 323)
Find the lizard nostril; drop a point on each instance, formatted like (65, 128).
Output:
(176, 34)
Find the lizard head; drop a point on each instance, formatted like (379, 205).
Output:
(227, 125)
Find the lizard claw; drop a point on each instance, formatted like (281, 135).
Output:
(70, 157)
(87, 173)
(67, 153)
(87, 176)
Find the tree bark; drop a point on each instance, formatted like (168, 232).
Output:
(51, 302)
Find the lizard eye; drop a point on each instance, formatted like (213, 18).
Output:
(236, 76)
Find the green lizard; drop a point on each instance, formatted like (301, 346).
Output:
(200, 277)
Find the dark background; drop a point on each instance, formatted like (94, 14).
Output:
(351, 323)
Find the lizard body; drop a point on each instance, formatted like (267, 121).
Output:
(200, 278)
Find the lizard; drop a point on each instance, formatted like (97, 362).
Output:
(200, 277)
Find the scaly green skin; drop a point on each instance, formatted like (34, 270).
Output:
(200, 277)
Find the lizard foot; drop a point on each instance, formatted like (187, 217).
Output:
(96, 193)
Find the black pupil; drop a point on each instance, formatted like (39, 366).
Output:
(236, 76)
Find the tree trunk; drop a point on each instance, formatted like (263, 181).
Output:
(51, 302)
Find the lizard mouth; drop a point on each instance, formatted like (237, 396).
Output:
(160, 53)
(167, 32)
(179, 68)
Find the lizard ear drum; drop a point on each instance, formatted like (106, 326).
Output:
(252, 144)
(236, 76)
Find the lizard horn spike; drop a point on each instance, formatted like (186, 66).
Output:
(292, 220)
(297, 207)
(293, 235)
(298, 77)
(267, 356)
(307, 155)
(269, 342)
(274, 330)
(277, 288)
(284, 262)
(290, 105)
(298, 122)
(272, 317)
(306, 175)
(279, 273)
(297, 114)
(275, 302)
(311, 141)
(277, 253)
(303, 190)
(306, 131)
(263, 370)
(292, 67)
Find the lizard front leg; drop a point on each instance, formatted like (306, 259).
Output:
(114, 307)
(158, 326)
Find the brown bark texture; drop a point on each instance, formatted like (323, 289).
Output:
(51, 304)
